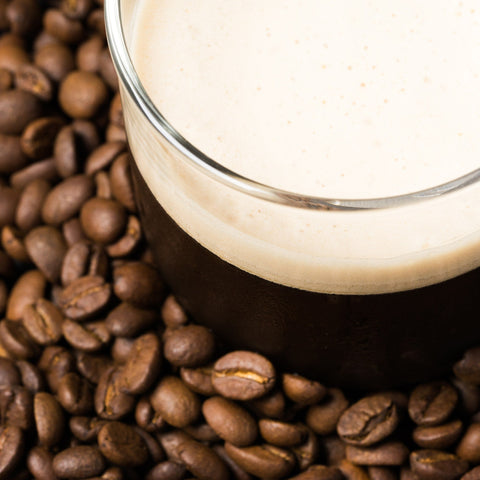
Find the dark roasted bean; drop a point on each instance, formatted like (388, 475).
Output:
(79, 462)
(11, 450)
(32, 79)
(43, 322)
(103, 156)
(40, 463)
(173, 314)
(17, 109)
(302, 390)
(469, 446)
(438, 437)
(17, 341)
(86, 428)
(437, 465)
(27, 290)
(87, 337)
(49, 419)
(320, 472)
(146, 417)
(56, 362)
(44, 169)
(16, 406)
(308, 452)
(385, 454)
(12, 157)
(92, 366)
(199, 379)
(32, 378)
(166, 471)
(75, 394)
(38, 136)
(282, 434)
(29, 207)
(272, 405)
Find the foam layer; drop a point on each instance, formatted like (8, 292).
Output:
(334, 99)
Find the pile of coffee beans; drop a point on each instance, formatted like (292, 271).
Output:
(102, 374)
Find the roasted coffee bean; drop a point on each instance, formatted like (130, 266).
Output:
(438, 437)
(302, 390)
(49, 419)
(173, 315)
(230, 421)
(75, 394)
(202, 432)
(81, 94)
(11, 450)
(92, 366)
(13, 57)
(46, 247)
(27, 290)
(44, 169)
(79, 462)
(368, 421)
(83, 258)
(88, 54)
(308, 452)
(103, 220)
(320, 472)
(382, 473)
(114, 133)
(95, 21)
(16, 406)
(236, 472)
(87, 337)
(176, 404)
(66, 199)
(65, 29)
(431, 404)
(167, 471)
(84, 297)
(130, 240)
(386, 454)
(32, 379)
(146, 417)
(122, 445)
(12, 157)
(142, 366)
(29, 207)
(86, 428)
(24, 17)
(56, 60)
(121, 348)
(282, 434)
(43, 322)
(264, 461)
(9, 373)
(87, 135)
(189, 346)
(65, 152)
(469, 396)
(110, 402)
(351, 471)
(73, 233)
(103, 156)
(32, 79)
(334, 449)
(121, 181)
(155, 450)
(126, 320)
(56, 362)
(243, 375)
(272, 405)
(107, 70)
(38, 137)
(469, 446)
(437, 465)
(14, 245)
(473, 474)
(76, 9)
(40, 463)
(468, 368)
(17, 109)
(16, 340)
(9, 199)
(199, 379)
(102, 184)
(139, 284)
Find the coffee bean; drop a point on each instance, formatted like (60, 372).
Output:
(9, 200)
(382, 473)
(469, 446)
(473, 474)
(308, 452)
(202, 432)
(12, 242)
(84, 297)
(166, 471)
(302, 390)
(32, 79)
(32, 378)
(27, 290)
(121, 181)
(28, 212)
(130, 240)
(11, 156)
(65, 152)
(87, 136)
(81, 94)
(13, 57)
(103, 220)
(79, 462)
(49, 419)
(438, 437)
(351, 471)
(44, 169)
(264, 461)
(95, 21)
(272, 405)
(38, 136)
(23, 17)
(102, 185)
(121, 348)
(65, 29)
(66, 199)
(282, 434)
(9, 374)
(91, 366)
(469, 396)
(86, 428)
(173, 314)
(230, 421)
(437, 465)
(46, 247)
(56, 362)
(73, 232)
(368, 421)
(110, 402)
(87, 337)
(431, 404)
(386, 454)
(199, 379)
(334, 449)
(83, 258)
(17, 109)
(122, 445)
(88, 54)
(103, 156)
(11, 450)
(125, 320)
(468, 368)
(43, 322)
(243, 375)
(142, 366)
(76, 9)
(40, 463)
(139, 284)
(16, 406)
(176, 404)
(75, 394)
(320, 472)
(17, 341)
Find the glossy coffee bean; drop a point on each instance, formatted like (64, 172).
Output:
(173, 314)
(56, 362)
(86, 428)
(12, 442)
(323, 418)
(126, 320)
(28, 212)
(438, 437)
(43, 322)
(307, 453)
(385, 454)
(272, 405)
(17, 109)
(129, 241)
(34, 80)
(16, 340)
(16, 406)
(29, 288)
(437, 465)
(79, 462)
(199, 379)
(83, 258)
(92, 366)
(32, 378)
(282, 434)
(38, 136)
(102, 156)
(40, 463)
(121, 181)
(87, 337)
(469, 446)
(75, 394)
(146, 417)
(166, 471)
(49, 419)
(301, 390)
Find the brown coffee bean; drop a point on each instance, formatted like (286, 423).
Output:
(385, 454)
(87, 135)
(40, 463)
(73, 232)
(13, 57)
(38, 137)
(199, 379)
(382, 473)
(126, 320)
(473, 474)
(468, 368)
(155, 450)
(264, 461)
(121, 348)
(82, 94)
(282, 434)
(46, 247)
(272, 405)
(122, 445)
(56, 362)
(103, 156)
(79, 462)
(43, 39)
(24, 17)
(65, 29)
(334, 449)
(173, 314)
(27, 290)
(230, 421)
(114, 133)
(95, 21)
(469, 396)
(438, 437)
(87, 337)
(9, 374)
(92, 366)
(142, 366)
(11, 450)
(130, 240)
(17, 109)
(432, 403)
(67, 198)
(8, 204)
(102, 185)
(146, 417)
(139, 284)
(49, 419)
(17, 341)
(65, 152)
(43, 322)
(202, 432)
(166, 471)
(469, 446)
(437, 465)
(121, 181)
(368, 421)
(308, 452)
(83, 258)
(28, 212)
(107, 70)
(243, 375)
(301, 390)
(320, 472)
(11, 156)
(32, 378)
(76, 9)
(75, 394)
(86, 428)
(176, 404)
(32, 79)
(16, 406)
(88, 54)
(44, 169)
(110, 402)
(351, 471)
(14, 245)
(189, 346)
(84, 297)
(103, 220)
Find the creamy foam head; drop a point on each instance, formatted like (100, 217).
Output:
(335, 99)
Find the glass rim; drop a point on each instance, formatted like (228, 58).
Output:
(132, 84)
